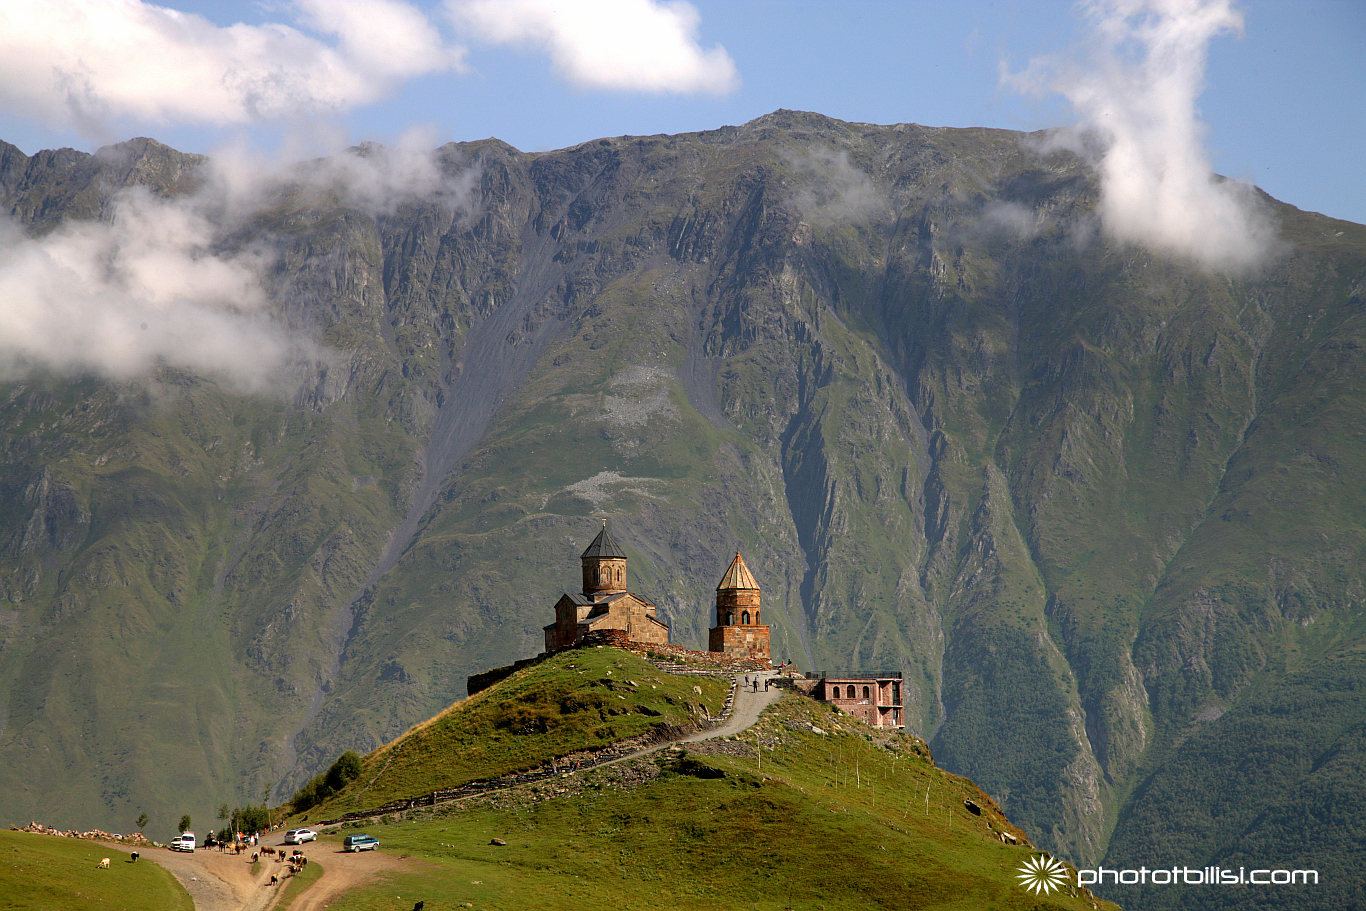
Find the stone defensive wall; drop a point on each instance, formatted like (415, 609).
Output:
(667, 657)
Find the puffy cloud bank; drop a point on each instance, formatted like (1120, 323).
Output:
(1136, 88)
(623, 45)
(832, 191)
(154, 284)
(91, 64)
(124, 297)
(86, 63)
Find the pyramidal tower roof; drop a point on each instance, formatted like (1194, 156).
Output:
(604, 546)
(738, 576)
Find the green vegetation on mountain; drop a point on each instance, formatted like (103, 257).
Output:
(1102, 509)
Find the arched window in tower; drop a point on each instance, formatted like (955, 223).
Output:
(865, 692)
(849, 692)
(730, 619)
(744, 618)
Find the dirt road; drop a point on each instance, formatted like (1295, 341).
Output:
(224, 882)
(750, 701)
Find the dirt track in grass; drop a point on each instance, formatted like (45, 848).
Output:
(224, 881)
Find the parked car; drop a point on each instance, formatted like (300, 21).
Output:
(183, 842)
(359, 843)
(299, 836)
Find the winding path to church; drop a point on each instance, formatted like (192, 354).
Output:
(748, 705)
(224, 882)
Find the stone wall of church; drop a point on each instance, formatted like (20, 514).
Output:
(732, 604)
(740, 641)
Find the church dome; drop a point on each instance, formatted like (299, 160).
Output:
(738, 576)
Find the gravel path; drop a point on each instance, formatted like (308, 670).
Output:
(749, 704)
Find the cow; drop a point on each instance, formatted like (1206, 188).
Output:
(135, 857)
(104, 864)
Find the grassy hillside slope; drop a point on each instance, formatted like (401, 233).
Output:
(807, 809)
(582, 699)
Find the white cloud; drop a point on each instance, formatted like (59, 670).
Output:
(1011, 219)
(1137, 89)
(124, 297)
(156, 285)
(621, 45)
(87, 63)
(378, 180)
(833, 191)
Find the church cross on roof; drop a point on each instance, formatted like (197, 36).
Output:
(604, 546)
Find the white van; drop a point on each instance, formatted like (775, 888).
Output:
(183, 842)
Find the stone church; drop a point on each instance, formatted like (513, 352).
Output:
(606, 604)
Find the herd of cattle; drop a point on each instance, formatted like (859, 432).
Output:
(296, 860)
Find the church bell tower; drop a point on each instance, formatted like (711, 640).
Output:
(604, 565)
(739, 632)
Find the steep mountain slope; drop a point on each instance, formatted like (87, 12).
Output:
(1103, 509)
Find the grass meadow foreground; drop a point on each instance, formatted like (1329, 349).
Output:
(43, 873)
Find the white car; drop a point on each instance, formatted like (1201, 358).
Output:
(183, 842)
(299, 836)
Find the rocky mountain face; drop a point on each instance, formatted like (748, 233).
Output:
(1105, 511)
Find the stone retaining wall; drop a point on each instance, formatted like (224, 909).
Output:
(667, 657)
(137, 839)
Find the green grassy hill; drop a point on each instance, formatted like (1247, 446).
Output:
(807, 809)
(582, 699)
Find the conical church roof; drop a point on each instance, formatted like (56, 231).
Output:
(738, 576)
(604, 546)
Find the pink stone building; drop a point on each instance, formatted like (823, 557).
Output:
(874, 700)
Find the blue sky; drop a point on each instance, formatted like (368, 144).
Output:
(1281, 104)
